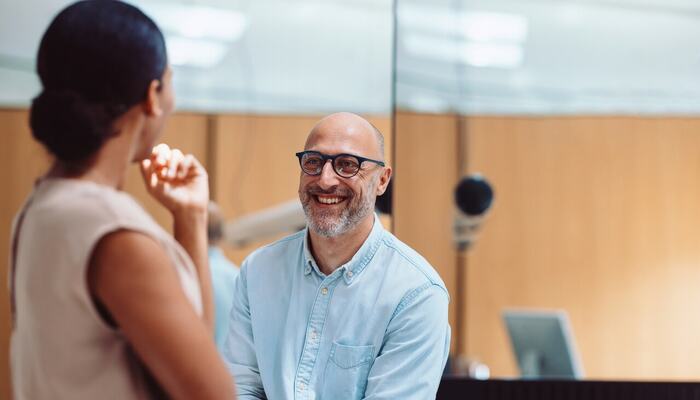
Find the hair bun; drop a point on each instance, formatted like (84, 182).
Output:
(68, 126)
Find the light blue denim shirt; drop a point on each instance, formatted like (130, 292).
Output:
(376, 328)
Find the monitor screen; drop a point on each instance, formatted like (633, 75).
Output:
(543, 344)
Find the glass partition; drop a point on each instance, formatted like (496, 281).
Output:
(269, 56)
(548, 57)
(583, 117)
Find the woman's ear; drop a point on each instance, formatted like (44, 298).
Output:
(151, 105)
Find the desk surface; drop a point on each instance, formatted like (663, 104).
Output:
(462, 388)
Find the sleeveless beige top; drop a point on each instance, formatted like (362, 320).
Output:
(60, 346)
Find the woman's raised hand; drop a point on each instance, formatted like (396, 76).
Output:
(178, 181)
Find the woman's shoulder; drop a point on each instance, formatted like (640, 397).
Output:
(80, 202)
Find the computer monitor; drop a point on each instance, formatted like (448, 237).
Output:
(543, 344)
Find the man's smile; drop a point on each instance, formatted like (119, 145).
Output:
(329, 199)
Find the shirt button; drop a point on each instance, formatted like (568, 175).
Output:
(302, 386)
(349, 274)
(313, 335)
(324, 291)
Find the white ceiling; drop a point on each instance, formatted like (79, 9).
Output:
(579, 56)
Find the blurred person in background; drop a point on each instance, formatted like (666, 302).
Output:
(106, 304)
(223, 274)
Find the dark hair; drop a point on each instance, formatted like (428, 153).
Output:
(96, 60)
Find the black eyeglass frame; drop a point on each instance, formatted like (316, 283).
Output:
(300, 155)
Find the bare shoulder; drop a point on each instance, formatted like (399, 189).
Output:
(126, 263)
(129, 251)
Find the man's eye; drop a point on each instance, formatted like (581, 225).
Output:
(312, 162)
(347, 165)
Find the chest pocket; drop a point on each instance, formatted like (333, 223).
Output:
(346, 372)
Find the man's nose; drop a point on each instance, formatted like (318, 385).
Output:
(328, 177)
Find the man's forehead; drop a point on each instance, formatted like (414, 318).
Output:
(342, 134)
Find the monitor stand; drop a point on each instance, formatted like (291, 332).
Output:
(532, 364)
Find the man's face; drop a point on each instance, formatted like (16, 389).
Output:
(335, 205)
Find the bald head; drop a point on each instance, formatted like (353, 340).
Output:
(338, 199)
(352, 133)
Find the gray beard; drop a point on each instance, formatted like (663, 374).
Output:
(328, 225)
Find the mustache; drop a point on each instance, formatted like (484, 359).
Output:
(316, 190)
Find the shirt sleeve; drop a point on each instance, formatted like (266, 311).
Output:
(239, 348)
(415, 349)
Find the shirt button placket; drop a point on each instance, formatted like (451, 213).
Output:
(312, 343)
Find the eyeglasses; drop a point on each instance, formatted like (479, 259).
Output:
(345, 165)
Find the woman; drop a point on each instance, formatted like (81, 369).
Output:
(106, 304)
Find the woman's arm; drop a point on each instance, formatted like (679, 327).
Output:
(190, 230)
(181, 184)
(133, 279)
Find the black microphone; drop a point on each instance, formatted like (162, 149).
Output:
(473, 199)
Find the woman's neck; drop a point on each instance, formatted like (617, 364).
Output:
(109, 166)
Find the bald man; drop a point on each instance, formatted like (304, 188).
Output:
(341, 310)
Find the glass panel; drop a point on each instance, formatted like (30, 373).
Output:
(549, 57)
(304, 57)
(582, 116)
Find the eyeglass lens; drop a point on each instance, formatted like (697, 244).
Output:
(345, 165)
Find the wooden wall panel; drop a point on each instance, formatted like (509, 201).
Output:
(254, 166)
(22, 160)
(594, 215)
(425, 175)
(600, 217)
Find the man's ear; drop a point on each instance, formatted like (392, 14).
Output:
(384, 179)
(151, 105)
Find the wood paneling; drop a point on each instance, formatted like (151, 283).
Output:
(600, 217)
(254, 166)
(425, 175)
(22, 160)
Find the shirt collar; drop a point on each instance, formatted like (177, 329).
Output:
(353, 268)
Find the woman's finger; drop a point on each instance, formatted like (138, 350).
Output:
(160, 156)
(197, 168)
(176, 158)
(147, 172)
(161, 149)
(184, 167)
